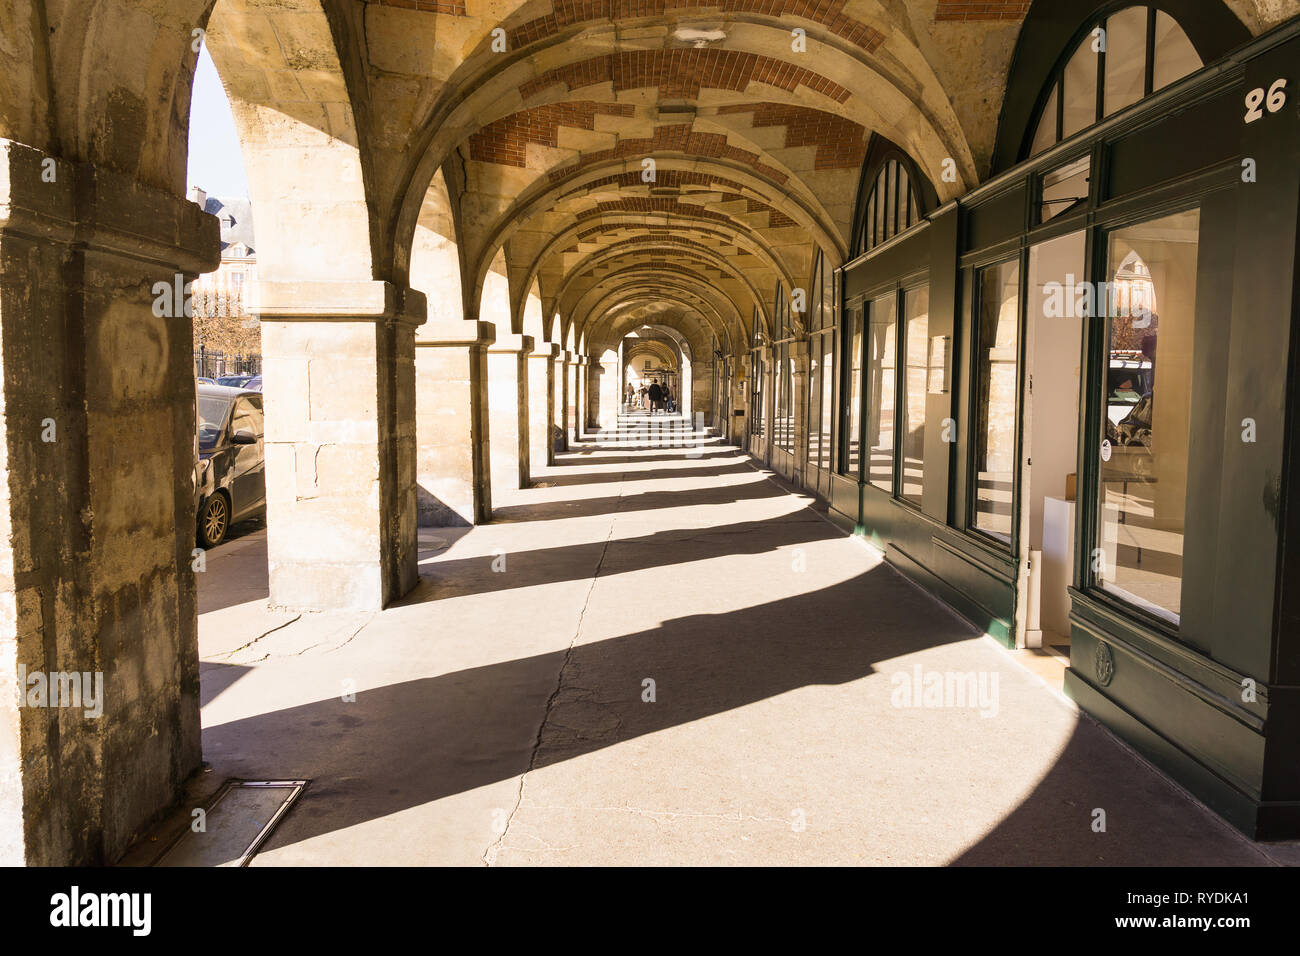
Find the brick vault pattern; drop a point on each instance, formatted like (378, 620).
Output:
(677, 138)
(681, 74)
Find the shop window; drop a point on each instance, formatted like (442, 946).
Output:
(783, 424)
(916, 385)
(820, 364)
(851, 455)
(814, 405)
(823, 346)
(827, 352)
(997, 366)
(1121, 57)
(881, 382)
(757, 395)
(783, 413)
(1142, 487)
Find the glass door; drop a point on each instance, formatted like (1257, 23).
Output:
(1140, 494)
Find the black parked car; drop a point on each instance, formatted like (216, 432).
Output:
(234, 381)
(231, 468)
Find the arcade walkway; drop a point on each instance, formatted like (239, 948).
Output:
(500, 713)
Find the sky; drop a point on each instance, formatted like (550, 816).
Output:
(215, 165)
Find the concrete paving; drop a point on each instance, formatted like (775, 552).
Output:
(504, 713)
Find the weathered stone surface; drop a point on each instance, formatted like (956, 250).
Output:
(341, 466)
(97, 507)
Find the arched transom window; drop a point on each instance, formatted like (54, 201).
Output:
(891, 206)
(1125, 55)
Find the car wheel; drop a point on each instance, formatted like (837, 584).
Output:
(214, 521)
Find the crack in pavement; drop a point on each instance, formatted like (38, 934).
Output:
(494, 848)
(279, 627)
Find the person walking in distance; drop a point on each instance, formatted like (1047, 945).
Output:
(656, 397)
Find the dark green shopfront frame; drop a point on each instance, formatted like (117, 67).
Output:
(1215, 700)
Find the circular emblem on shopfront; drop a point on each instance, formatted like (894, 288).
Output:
(1104, 661)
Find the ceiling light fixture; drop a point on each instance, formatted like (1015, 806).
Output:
(698, 38)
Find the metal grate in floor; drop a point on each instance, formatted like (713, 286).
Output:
(234, 824)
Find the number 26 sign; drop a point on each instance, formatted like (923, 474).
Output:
(1272, 101)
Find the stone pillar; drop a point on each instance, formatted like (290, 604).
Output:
(586, 418)
(507, 368)
(573, 402)
(541, 410)
(451, 415)
(702, 392)
(97, 463)
(737, 426)
(339, 363)
(559, 371)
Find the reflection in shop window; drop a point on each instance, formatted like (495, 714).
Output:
(882, 364)
(828, 396)
(851, 460)
(783, 418)
(997, 364)
(1147, 397)
(821, 344)
(916, 384)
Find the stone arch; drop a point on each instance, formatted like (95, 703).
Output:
(890, 81)
(435, 258)
(531, 319)
(743, 242)
(647, 284)
(300, 124)
(494, 293)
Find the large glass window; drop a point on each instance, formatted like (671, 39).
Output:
(851, 458)
(997, 363)
(1147, 398)
(757, 413)
(1175, 57)
(820, 365)
(1122, 57)
(1126, 44)
(783, 417)
(814, 404)
(882, 365)
(828, 397)
(783, 412)
(891, 206)
(1079, 108)
(916, 385)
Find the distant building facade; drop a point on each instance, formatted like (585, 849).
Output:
(227, 338)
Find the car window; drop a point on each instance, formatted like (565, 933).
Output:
(256, 417)
(211, 413)
(247, 416)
